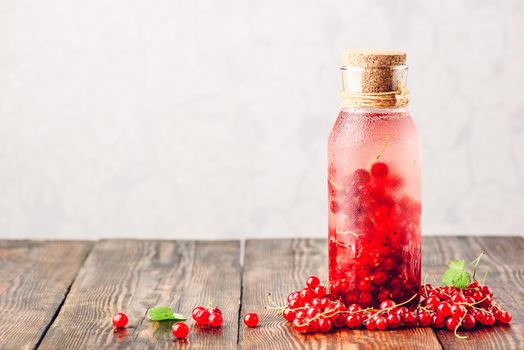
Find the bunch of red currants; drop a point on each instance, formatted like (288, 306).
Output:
(207, 316)
(312, 309)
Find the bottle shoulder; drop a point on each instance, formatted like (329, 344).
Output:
(360, 123)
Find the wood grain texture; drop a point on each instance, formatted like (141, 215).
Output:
(279, 266)
(505, 263)
(35, 277)
(133, 276)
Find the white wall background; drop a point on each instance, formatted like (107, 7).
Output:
(209, 119)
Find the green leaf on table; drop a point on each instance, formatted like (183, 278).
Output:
(456, 274)
(162, 313)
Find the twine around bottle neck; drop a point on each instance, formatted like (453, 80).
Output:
(390, 99)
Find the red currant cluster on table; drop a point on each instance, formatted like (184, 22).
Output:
(312, 309)
(210, 316)
(374, 237)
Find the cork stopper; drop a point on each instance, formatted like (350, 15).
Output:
(374, 58)
(378, 69)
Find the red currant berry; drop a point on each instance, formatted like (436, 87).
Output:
(487, 302)
(202, 317)
(215, 319)
(451, 323)
(478, 315)
(354, 308)
(387, 304)
(195, 312)
(215, 309)
(312, 282)
(360, 176)
(300, 325)
(457, 311)
(120, 320)
(307, 295)
(468, 322)
(438, 322)
(488, 320)
(486, 291)
(300, 314)
(477, 295)
(351, 298)
(324, 302)
(470, 299)
(400, 311)
(424, 319)
(379, 170)
(288, 315)
(496, 314)
(338, 321)
(365, 285)
(432, 302)
(370, 324)
(312, 312)
(505, 317)
(251, 319)
(443, 295)
(444, 309)
(312, 325)
(380, 277)
(409, 319)
(315, 302)
(324, 325)
(320, 291)
(295, 304)
(292, 295)
(365, 298)
(393, 321)
(354, 321)
(458, 298)
(381, 323)
(180, 330)
(473, 285)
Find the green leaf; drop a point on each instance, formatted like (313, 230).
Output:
(179, 317)
(462, 279)
(456, 274)
(162, 313)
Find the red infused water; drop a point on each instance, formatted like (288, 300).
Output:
(374, 191)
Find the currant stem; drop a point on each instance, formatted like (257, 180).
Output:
(386, 141)
(391, 307)
(423, 308)
(272, 304)
(475, 303)
(328, 314)
(484, 278)
(476, 263)
(458, 326)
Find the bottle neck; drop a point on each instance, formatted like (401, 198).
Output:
(374, 87)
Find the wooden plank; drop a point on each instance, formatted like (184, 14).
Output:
(505, 263)
(279, 266)
(35, 277)
(133, 276)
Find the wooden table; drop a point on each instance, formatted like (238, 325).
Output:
(62, 294)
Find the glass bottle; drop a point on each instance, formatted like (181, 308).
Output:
(374, 184)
